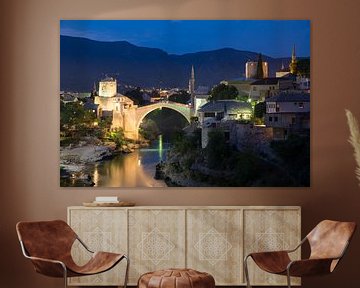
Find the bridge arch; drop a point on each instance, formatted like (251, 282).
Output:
(141, 112)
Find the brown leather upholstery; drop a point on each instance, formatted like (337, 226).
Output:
(329, 238)
(328, 242)
(53, 240)
(272, 262)
(176, 278)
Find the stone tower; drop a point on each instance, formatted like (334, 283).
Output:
(251, 69)
(192, 87)
(259, 68)
(293, 63)
(107, 87)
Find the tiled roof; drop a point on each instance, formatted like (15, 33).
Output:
(226, 106)
(289, 96)
(266, 81)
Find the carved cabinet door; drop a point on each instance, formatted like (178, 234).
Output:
(271, 230)
(214, 244)
(156, 240)
(101, 230)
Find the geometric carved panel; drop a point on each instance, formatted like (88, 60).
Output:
(214, 241)
(271, 230)
(100, 230)
(156, 240)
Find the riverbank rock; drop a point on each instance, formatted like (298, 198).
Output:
(126, 148)
(85, 154)
(73, 162)
(159, 173)
(144, 143)
(75, 178)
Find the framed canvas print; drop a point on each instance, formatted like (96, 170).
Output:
(190, 103)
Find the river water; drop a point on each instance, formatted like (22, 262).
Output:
(136, 169)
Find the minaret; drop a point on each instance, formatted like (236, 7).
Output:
(94, 91)
(192, 87)
(293, 56)
(293, 64)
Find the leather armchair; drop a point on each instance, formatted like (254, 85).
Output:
(48, 245)
(328, 242)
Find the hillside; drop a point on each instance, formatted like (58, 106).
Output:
(84, 61)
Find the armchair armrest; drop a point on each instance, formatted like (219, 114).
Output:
(49, 267)
(298, 246)
(314, 266)
(280, 252)
(83, 244)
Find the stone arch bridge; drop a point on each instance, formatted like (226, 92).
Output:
(130, 118)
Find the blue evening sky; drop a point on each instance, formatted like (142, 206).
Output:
(271, 37)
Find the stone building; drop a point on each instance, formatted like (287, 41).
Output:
(267, 87)
(115, 105)
(243, 86)
(288, 113)
(251, 69)
(219, 114)
(282, 72)
(251, 137)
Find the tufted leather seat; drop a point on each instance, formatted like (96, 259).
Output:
(176, 278)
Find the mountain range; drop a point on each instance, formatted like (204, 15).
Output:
(84, 61)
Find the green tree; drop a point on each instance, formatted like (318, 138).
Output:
(117, 136)
(74, 119)
(223, 92)
(303, 67)
(260, 109)
(247, 167)
(295, 154)
(136, 95)
(186, 143)
(243, 97)
(149, 129)
(181, 97)
(217, 150)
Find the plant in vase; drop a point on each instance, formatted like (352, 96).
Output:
(354, 140)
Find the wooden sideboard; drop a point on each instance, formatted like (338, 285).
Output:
(211, 239)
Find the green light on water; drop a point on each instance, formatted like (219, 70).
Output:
(160, 146)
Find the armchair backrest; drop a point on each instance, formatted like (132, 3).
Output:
(329, 239)
(46, 239)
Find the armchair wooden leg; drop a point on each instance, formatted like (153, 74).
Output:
(246, 271)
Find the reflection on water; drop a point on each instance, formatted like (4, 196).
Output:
(135, 169)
